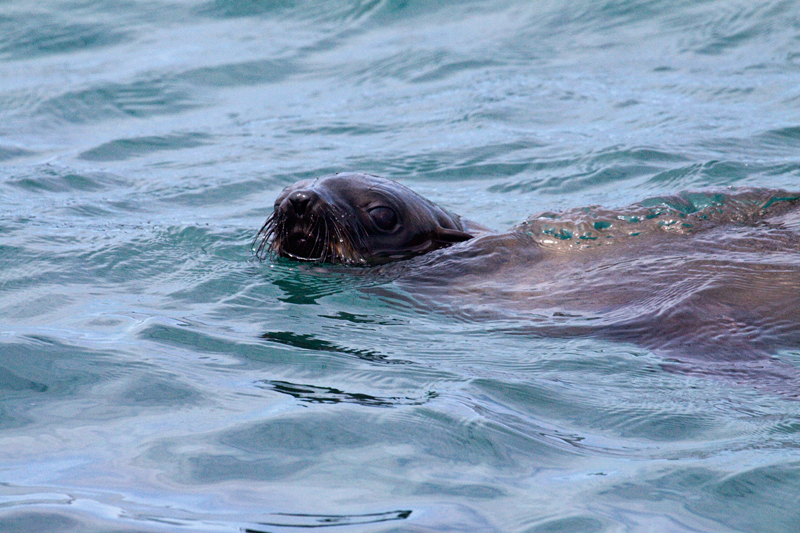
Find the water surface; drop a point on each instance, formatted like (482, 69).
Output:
(155, 377)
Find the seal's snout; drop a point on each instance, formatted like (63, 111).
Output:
(299, 201)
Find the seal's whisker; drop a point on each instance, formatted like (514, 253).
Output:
(345, 252)
(337, 230)
(327, 251)
(318, 250)
(347, 246)
(266, 235)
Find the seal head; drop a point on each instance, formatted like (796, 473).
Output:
(355, 219)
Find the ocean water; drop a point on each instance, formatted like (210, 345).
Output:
(155, 376)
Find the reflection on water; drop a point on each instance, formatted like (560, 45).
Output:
(309, 342)
(316, 521)
(312, 394)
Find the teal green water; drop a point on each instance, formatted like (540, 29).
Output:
(155, 377)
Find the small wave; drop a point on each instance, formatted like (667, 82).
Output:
(612, 165)
(48, 180)
(122, 149)
(28, 34)
(238, 74)
(376, 11)
(244, 8)
(141, 98)
(12, 152)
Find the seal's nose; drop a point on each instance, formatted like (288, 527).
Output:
(300, 201)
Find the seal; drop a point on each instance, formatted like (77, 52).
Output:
(709, 280)
(365, 220)
(694, 276)
(357, 219)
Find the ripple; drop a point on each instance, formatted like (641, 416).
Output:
(11, 382)
(50, 179)
(30, 34)
(444, 71)
(244, 73)
(376, 11)
(585, 524)
(730, 27)
(159, 392)
(122, 149)
(138, 99)
(605, 167)
(11, 152)
(244, 8)
(769, 492)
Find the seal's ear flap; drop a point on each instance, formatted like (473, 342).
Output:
(445, 235)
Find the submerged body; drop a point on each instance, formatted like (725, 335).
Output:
(699, 276)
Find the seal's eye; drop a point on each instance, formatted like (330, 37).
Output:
(383, 217)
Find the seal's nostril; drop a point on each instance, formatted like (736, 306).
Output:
(300, 201)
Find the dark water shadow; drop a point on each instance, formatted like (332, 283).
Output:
(320, 521)
(329, 395)
(312, 342)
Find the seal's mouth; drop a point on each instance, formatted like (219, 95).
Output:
(304, 241)
(318, 238)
